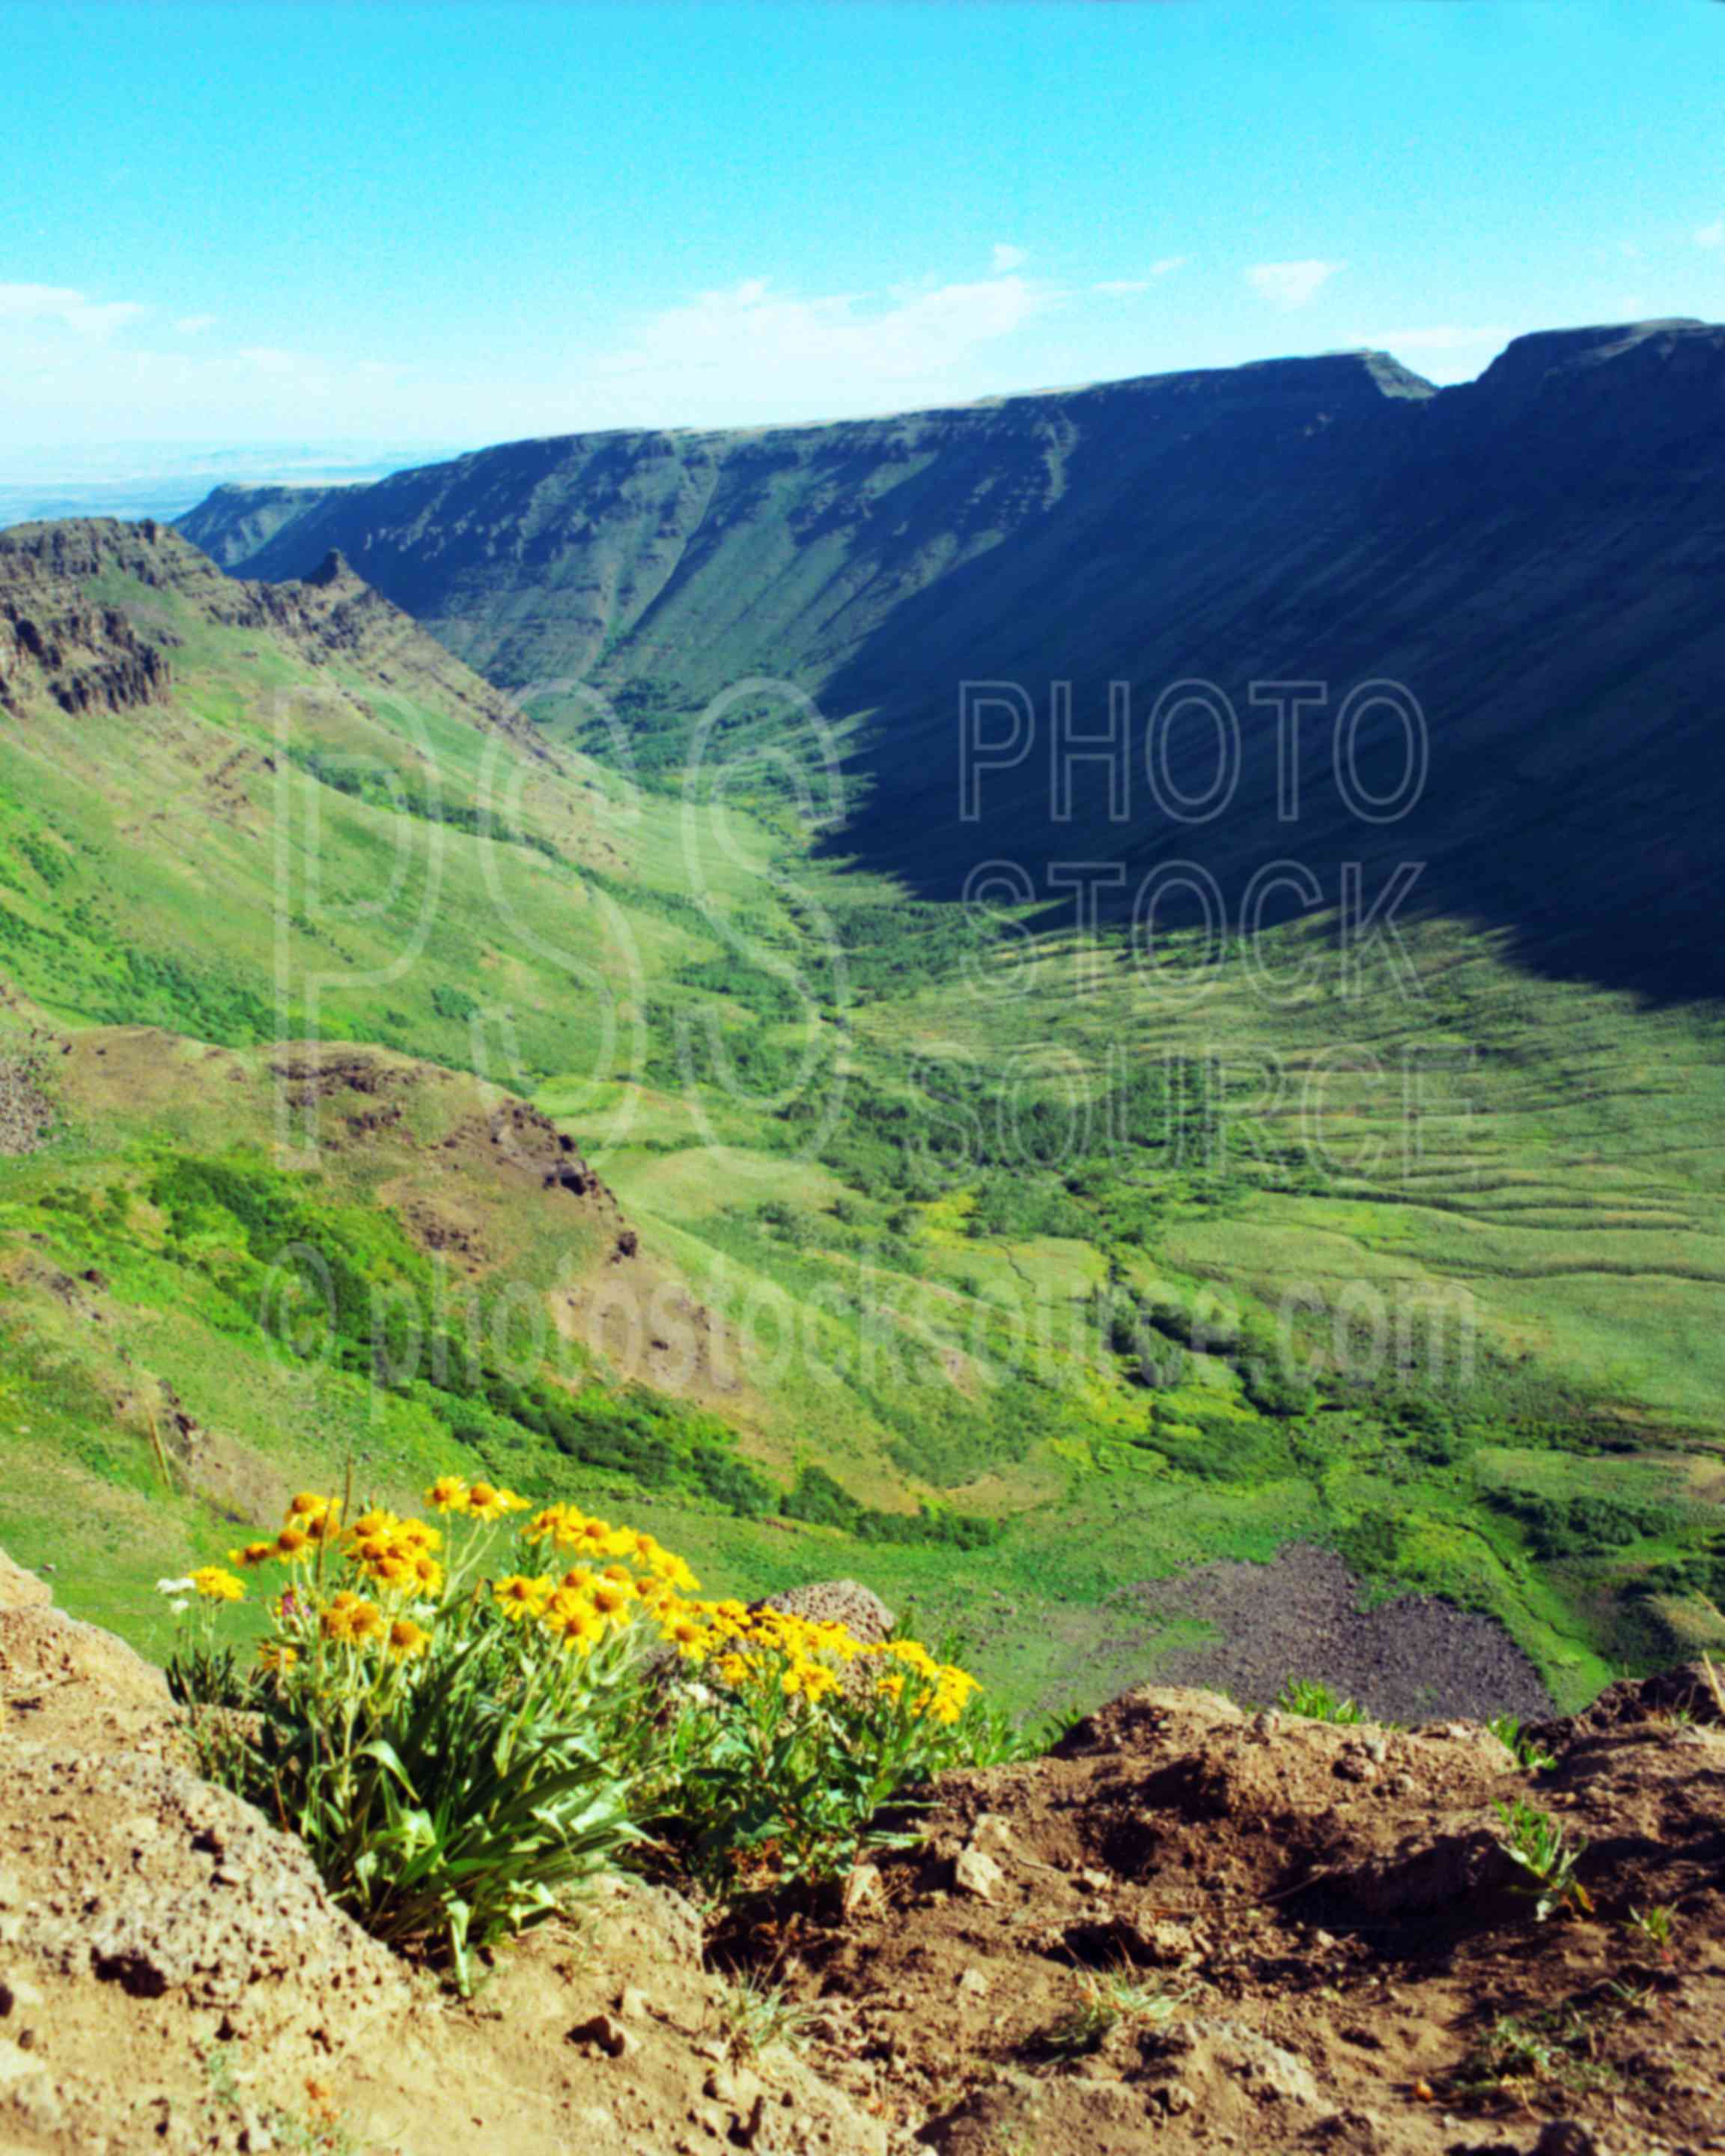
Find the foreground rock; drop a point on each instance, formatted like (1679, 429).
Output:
(1192, 1928)
(1198, 1928)
(173, 1977)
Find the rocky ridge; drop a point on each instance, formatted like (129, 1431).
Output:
(58, 635)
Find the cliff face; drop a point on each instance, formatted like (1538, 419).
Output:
(1109, 509)
(1537, 555)
(52, 632)
(689, 556)
(61, 631)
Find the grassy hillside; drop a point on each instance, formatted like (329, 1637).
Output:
(993, 1270)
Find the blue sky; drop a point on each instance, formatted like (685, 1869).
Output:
(457, 224)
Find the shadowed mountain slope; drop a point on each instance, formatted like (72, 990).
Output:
(1537, 555)
(689, 556)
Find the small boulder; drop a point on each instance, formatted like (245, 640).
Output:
(974, 1871)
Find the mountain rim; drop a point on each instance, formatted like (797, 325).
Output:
(1537, 557)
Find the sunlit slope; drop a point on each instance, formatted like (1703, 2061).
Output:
(195, 1320)
(236, 818)
(313, 820)
(1548, 1158)
(1485, 1220)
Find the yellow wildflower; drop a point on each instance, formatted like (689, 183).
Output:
(294, 1544)
(519, 1597)
(400, 1568)
(351, 1617)
(672, 1568)
(216, 1585)
(251, 1554)
(612, 1599)
(572, 1617)
(448, 1494)
(406, 1638)
(688, 1635)
(276, 1656)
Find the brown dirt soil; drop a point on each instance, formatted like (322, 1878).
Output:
(469, 1171)
(1317, 1925)
(173, 1977)
(1321, 1929)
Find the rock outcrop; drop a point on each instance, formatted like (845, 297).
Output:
(59, 636)
(1199, 1928)
(173, 1975)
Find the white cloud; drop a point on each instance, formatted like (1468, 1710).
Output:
(1291, 284)
(1005, 257)
(195, 325)
(750, 343)
(1441, 339)
(1115, 287)
(1710, 235)
(269, 359)
(61, 305)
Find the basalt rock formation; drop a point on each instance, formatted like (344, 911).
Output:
(57, 631)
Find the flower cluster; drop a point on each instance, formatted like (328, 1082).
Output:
(591, 1586)
(812, 1658)
(209, 1583)
(940, 1690)
(215, 1584)
(465, 1713)
(623, 1579)
(401, 1575)
(476, 1501)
